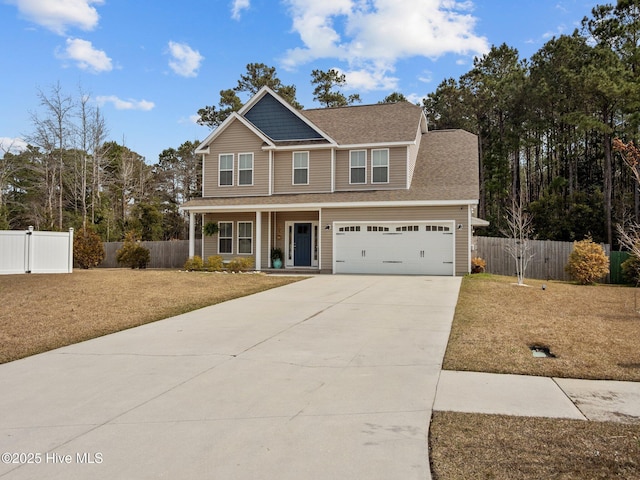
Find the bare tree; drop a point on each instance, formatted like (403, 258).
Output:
(98, 136)
(9, 165)
(519, 230)
(92, 134)
(53, 135)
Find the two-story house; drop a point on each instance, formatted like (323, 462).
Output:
(358, 189)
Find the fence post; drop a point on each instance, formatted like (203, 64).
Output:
(70, 258)
(28, 251)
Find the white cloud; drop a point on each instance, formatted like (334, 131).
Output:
(185, 61)
(560, 29)
(190, 120)
(372, 35)
(237, 8)
(87, 57)
(372, 79)
(58, 15)
(416, 98)
(426, 76)
(120, 104)
(13, 145)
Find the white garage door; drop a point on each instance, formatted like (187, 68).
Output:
(404, 248)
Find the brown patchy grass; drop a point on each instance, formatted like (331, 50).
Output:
(469, 446)
(593, 330)
(42, 312)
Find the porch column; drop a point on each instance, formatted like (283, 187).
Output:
(258, 241)
(192, 234)
(269, 239)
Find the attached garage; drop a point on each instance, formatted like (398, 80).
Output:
(400, 248)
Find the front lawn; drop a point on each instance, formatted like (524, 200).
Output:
(43, 312)
(594, 331)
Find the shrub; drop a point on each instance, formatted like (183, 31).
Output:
(587, 262)
(214, 263)
(478, 265)
(240, 264)
(631, 269)
(193, 264)
(88, 250)
(132, 254)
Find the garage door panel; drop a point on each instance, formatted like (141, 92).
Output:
(423, 248)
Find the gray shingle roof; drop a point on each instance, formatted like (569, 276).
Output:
(387, 122)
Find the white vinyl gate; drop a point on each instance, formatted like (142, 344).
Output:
(36, 252)
(395, 248)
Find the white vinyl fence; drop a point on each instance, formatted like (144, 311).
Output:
(29, 251)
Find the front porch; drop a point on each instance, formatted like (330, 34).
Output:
(294, 233)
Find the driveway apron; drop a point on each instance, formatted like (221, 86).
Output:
(330, 377)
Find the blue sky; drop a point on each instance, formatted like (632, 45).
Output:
(150, 64)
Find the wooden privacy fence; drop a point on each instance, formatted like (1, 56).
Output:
(32, 251)
(170, 254)
(548, 262)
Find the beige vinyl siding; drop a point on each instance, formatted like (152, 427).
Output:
(211, 243)
(412, 153)
(236, 139)
(319, 172)
(398, 214)
(397, 170)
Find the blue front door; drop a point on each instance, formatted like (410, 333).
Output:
(302, 242)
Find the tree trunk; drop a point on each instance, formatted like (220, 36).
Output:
(607, 187)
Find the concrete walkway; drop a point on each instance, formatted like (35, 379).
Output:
(598, 400)
(333, 377)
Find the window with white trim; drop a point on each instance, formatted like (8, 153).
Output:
(245, 238)
(380, 166)
(358, 166)
(225, 169)
(300, 168)
(245, 169)
(225, 237)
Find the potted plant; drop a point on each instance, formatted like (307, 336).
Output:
(276, 257)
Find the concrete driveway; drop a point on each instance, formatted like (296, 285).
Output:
(331, 377)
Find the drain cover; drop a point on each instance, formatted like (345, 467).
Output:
(541, 352)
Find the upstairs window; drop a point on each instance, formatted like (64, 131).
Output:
(245, 169)
(358, 166)
(225, 169)
(380, 166)
(300, 168)
(225, 237)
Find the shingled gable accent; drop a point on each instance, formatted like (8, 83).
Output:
(265, 121)
(278, 122)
